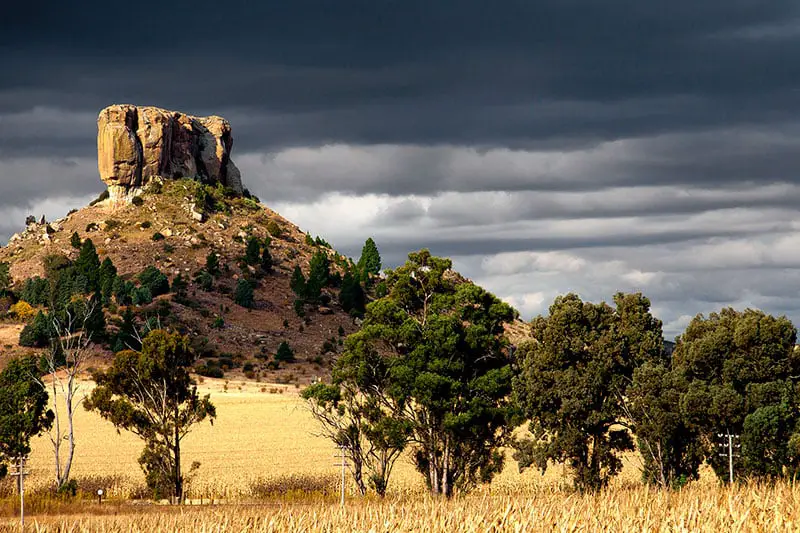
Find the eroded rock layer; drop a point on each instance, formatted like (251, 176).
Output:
(138, 144)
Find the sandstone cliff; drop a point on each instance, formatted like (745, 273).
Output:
(137, 144)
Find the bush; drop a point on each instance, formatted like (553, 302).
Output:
(204, 280)
(157, 236)
(284, 353)
(75, 240)
(146, 224)
(22, 310)
(274, 229)
(218, 323)
(138, 201)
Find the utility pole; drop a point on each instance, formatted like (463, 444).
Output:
(21, 473)
(343, 465)
(728, 445)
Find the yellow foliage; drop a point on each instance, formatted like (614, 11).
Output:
(22, 310)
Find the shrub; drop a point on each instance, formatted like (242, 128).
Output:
(252, 251)
(274, 229)
(157, 236)
(212, 264)
(218, 323)
(204, 280)
(92, 226)
(146, 224)
(22, 310)
(299, 308)
(138, 201)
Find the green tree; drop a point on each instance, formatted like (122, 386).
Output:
(252, 250)
(88, 266)
(284, 353)
(351, 294)
(433, 353)
(370, 261)
(244, 293)
(35, 291)
(75, 240)
(212, 264)
(154, 280)
(298, 283)
(37, 333)
(108, 273)
(670, 445)
(318, 276)
(573, 377)
(127, 337)
(151, 394)
(741, 368)
(23, 410)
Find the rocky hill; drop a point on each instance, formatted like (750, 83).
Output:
(174, 196)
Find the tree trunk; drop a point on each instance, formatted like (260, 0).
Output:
(178, 478)
(447, 489)
(70, 432)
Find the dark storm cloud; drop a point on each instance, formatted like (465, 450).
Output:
(581, 145)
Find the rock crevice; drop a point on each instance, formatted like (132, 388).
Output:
(138, 144)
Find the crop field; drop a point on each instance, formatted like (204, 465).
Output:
(263, 469)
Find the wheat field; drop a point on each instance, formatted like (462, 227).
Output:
(261, 455)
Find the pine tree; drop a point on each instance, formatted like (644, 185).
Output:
(351, 295)
(212, 264)
(318, 276)
(284, 353)
(88, 266)
(370, 261)
(298, 283)
(251, 254)
(244, 293)
(75, 240)
(108, 273)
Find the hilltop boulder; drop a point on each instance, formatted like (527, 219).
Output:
(137, 144)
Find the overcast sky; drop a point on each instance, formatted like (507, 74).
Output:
(546, 146)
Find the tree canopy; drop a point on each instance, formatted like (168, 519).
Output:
(23, 409)
(432, 354)
(574, 374)
(151, 394)
(742, 367)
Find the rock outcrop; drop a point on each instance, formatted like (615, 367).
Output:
(137, 144)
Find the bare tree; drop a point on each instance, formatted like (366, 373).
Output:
(70, 348)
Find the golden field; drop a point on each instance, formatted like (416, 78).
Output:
(263, 441)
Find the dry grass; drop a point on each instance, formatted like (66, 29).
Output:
(264, 470)
(697, 508)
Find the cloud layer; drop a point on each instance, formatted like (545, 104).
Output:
(546, 146)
